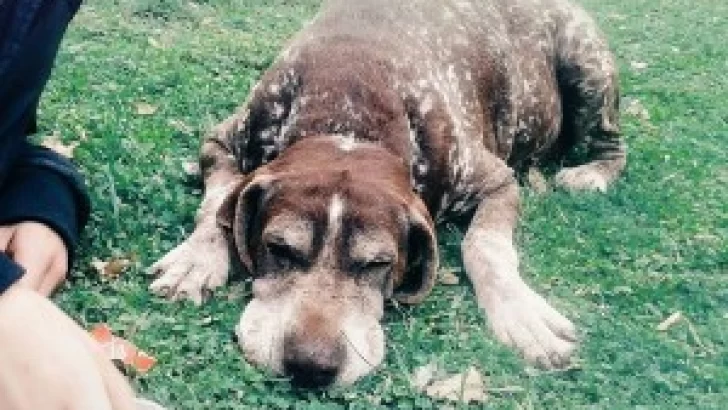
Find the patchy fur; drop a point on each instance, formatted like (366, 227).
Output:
(378, 119)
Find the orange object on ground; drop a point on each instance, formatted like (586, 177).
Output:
(119, 349)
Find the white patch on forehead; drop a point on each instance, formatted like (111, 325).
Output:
(347, 143)
(336, 214)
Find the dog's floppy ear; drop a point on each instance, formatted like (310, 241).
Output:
(240, 210)
(422, 256)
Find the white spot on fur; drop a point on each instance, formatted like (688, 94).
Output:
(347, 143)
(336, 214)
(278, 110)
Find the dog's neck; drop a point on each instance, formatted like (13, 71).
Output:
(346, 87)
(361, 116)
(367, 160)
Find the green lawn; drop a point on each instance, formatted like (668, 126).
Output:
(617, 264)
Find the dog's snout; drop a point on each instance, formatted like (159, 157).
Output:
(313, 362)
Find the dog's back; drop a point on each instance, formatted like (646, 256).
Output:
(440, 83)
(474, 60)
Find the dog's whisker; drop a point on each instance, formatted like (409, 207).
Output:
(355, 349)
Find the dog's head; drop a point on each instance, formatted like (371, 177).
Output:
(329, 231)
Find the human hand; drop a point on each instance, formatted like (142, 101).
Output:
(40, 251)
(50, 363)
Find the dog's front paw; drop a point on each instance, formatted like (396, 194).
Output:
(522, 319)
(193, 269)
(587, 177)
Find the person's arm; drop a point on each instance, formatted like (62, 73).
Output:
(45, 187)
(43, 201)
(49, 362)
(43, 207)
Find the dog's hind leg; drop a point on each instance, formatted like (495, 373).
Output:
(201, 263)
(518, 316)
(588, 81)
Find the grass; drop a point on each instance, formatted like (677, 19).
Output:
(617, 264)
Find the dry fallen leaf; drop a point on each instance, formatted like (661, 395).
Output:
(154, 42)
(181, 126)
(120, 350)
(54, 143)
(634, 108)
(467, 387)
(191, 168)
(112, 267)
(638, 65)
(143, 108)
(424, 375)
(670, 321)
(82, 135)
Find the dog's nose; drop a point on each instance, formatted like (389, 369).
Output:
(312, 362)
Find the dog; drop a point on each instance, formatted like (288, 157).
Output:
(377, 121)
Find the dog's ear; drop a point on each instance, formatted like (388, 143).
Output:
(422, 256)
(240, 211)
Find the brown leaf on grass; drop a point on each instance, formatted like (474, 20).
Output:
(466, 387)
(54, 143)
(143, 108)
(111, 268)
(670, 321)
(120, 350)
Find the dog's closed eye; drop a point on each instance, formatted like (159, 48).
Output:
(286, 256)
(382, 264)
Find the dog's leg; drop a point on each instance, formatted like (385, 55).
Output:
(589, 85)
(518, 316)
(201, 263)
